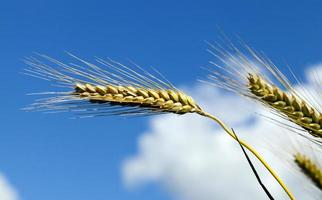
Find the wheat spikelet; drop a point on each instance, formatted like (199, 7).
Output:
(309, 168)
(297, 110)
(114, 90)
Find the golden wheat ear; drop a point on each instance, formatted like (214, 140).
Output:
(310, 168)
(253, 76)
(106, 88)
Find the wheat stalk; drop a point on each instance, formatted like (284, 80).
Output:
(253, 151)
(309, 168)
(296, 110)
(118, 91)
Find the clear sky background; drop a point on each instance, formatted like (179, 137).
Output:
(53, 157)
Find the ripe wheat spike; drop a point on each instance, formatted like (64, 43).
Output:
(309, 168)
(251, 75)
(115, 90)
(153, 99)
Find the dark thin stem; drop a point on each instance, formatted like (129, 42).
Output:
(253, 169)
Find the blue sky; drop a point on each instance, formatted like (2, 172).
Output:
(53, 157)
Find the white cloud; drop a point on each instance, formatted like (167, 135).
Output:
(195, 160)
(7, 192)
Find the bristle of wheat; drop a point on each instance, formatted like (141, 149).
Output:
(294, 108)
(309, 168)
(159, 100)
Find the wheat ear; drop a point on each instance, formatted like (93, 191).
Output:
(251, 75)
(120, 92)
(115, 90)
(154, 99)
(296, 110)
(309, 168)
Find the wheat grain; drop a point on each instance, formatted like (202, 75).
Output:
(309, 168)
(297, 110)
